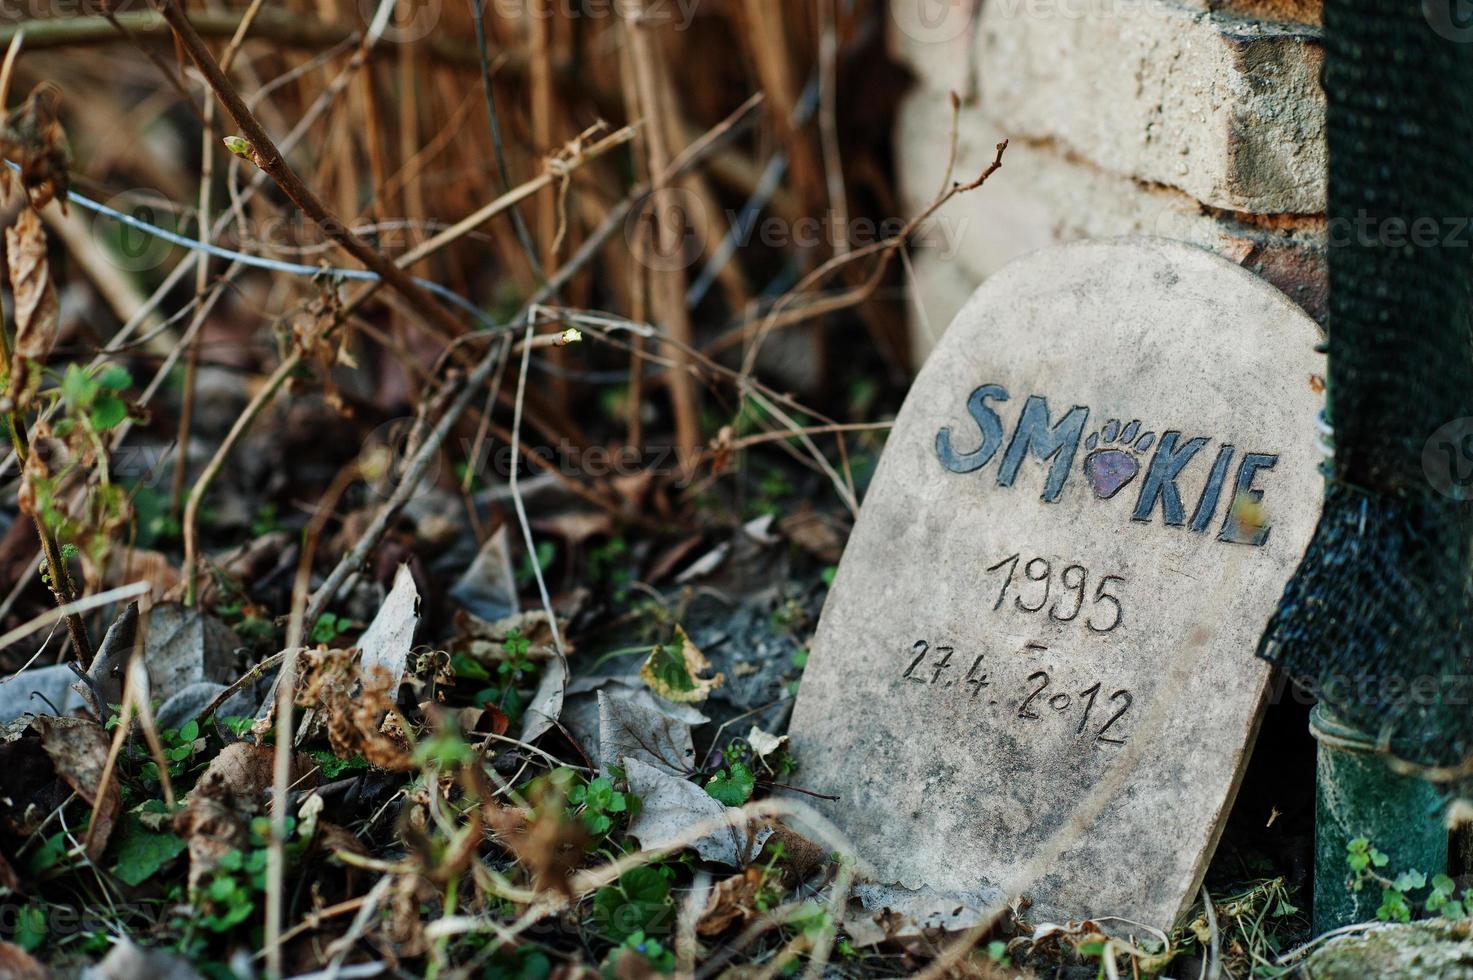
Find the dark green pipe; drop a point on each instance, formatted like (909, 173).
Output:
(1358, 795)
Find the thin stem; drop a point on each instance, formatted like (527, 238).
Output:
(242, 425)
(202, 266)
(59, 576)
(497, 144)
(266, 156)
(286, 698)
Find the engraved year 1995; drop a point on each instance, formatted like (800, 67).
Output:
(928, 665)
(1033, 592)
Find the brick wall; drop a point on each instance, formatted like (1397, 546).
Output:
(1202, 121)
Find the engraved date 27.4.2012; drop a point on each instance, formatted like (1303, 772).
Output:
(929, 664)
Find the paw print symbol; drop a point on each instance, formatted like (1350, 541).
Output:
(1114, 456)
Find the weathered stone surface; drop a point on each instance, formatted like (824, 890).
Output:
(1034, 674)
(1433, 950)
(1040, 198)
(1227, 109)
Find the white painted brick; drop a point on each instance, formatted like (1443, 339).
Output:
(937, 294)
(1227, 109)
(1040, 198)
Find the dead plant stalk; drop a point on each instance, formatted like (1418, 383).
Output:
(266, 156)
(59, 576)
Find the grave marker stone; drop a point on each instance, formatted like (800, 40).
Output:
(1039, 646)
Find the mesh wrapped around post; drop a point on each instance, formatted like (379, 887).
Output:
(1377, 620)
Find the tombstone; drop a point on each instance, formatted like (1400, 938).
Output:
(1035, 672)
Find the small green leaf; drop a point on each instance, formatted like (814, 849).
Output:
(108, 411)
(516, 644)
(1409, 880)
(734, 788)
(77, 388)
(138, 853)
(49, 854)
(1394, 907)
(638, 903)
(30, 927)
(115, 378)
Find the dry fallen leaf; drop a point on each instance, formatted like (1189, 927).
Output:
(488, 588)
(35, 304)
(547, 701)
(129, 961)
(185, 645)
(240, 776)
(211, 829)
(17, 964)
(628, 729)
(673, 671)
(234, 787)
(671, 807)
(765, 744)
(78, 749)
(801, 857)
(32, 136)
(548, 844)
(733, 900)
(814, 532)
(389, 638)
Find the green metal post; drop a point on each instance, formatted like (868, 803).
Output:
(1358, 795)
